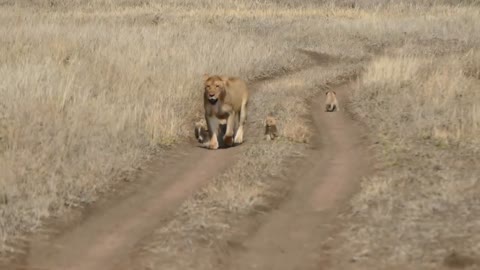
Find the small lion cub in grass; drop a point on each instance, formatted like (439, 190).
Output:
(331, 103)
(201, 131)
(270, 128)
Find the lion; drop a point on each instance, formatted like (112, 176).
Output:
(331, 103)
(225, 98)
(270, 128)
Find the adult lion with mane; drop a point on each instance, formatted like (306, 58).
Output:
(225, 98)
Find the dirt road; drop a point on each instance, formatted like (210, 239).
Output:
(289, 237)
(111, 229)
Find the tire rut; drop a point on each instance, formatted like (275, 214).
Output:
(110, 230)
(291, 236)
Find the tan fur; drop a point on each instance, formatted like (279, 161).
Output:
(270, 128)
(331, 103)
(225, 98)
(201, 131)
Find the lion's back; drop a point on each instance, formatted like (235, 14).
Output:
(237, 92)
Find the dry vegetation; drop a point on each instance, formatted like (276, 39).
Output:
(89, 89)
(84, 98)
(198, 236)
(88, 92)
(425, 199)
(422, 101)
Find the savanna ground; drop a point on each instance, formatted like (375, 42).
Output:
(91, 90)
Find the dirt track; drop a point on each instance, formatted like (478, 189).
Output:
(289, 237)
(105, 237)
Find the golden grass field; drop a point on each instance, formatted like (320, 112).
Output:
(89, 90)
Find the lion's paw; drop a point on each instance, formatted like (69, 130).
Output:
(228, 140)
(213, 145)
(238, 138)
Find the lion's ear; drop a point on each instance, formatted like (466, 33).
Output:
(206, 76)
(225, 80)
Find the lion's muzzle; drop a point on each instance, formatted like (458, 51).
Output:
(212, 100)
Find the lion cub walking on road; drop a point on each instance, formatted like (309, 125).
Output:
(331, 103)
(201, 130)
(225, 98)
(270, 128)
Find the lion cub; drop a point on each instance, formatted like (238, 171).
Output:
(331, 103)
(270, 128)
(201, 131)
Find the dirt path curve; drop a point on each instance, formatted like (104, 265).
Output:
(110, 230)
(290, 237)
(103, 237)
(105, 234)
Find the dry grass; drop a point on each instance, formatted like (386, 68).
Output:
(87, 92)
(197, 237)
(89, 88)
(83, 100)
(421, 101)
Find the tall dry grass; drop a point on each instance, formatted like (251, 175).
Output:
(419, 210)
(83, 100)
(434, 98)
(420, 101)
(88, 88)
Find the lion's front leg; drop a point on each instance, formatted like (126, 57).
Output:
(213, 123)
(228, 138)
(241, 122)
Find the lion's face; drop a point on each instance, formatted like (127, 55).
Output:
(214, 88)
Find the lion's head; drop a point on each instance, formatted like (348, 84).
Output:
(331, 93)
(214, 88)
(270, 121)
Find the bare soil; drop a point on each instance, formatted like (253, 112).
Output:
(110, 230)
